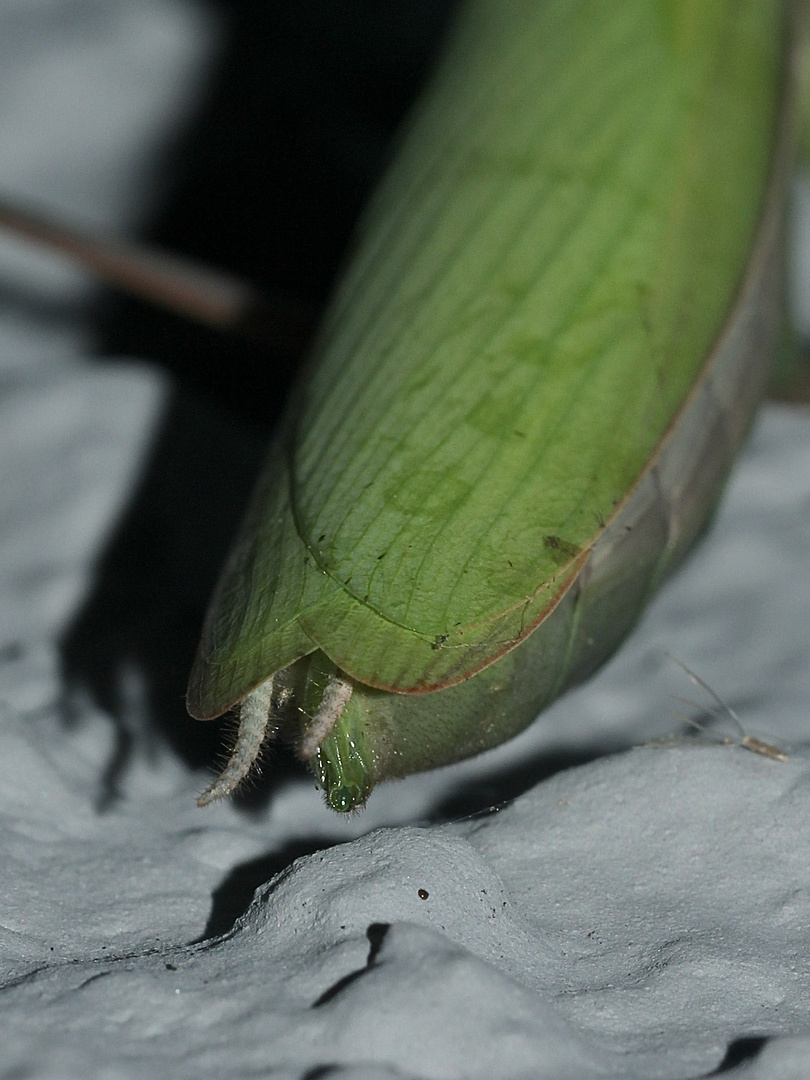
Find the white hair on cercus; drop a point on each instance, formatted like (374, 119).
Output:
(335, 698)
(255, 727)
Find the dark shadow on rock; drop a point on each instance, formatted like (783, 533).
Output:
(130, 646)
(740, 1051)
(296, 127)
(376, 934)
(267, 182)
(35, 308)
(233, 897)
(484, 793)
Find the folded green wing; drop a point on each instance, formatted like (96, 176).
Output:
(537, 285)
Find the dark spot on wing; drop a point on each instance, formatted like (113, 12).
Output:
(562, 549)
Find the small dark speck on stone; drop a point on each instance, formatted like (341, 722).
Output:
(423, 894)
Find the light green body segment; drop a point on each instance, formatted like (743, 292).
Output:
(530, 385)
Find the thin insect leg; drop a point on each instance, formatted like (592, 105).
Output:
(254, 727)
(718, 714)
(748, 742)
(726, 709)
(691, 722)
(757, 746)
(335, 698)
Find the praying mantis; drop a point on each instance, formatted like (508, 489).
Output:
(527, 392)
